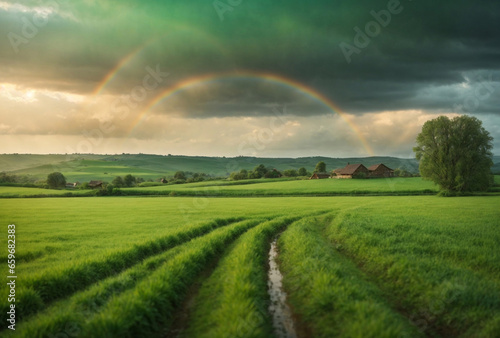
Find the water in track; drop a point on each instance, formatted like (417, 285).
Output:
(279, 309)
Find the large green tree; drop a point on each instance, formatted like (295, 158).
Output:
(56, 180)
(259, 171)
(180, 175)
(320, 167)
(118, 182)
(455, 153)
(129, 180)
(303, 172)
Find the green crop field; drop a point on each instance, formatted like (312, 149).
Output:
(399, 185)
(375, 266)
(258, 187)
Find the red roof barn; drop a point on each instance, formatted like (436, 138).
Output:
(351, 170)
(380, 170)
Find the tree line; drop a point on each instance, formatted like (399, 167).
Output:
(261, 171)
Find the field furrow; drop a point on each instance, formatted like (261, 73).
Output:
(233, 302)
(357, 266)
(148, 309)
(39, 290)
(442, 275)
(88, 302)
(131, 298)
(331, 297)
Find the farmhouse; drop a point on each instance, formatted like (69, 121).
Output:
(351, 170)
(380, 170)
(95, 184)
(319, 176)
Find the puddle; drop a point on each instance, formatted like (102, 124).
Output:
(279, 309)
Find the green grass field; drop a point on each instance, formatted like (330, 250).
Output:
(353, 266)
(265, 187)
(260, 187)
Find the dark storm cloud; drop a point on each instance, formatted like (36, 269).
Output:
(418, 61)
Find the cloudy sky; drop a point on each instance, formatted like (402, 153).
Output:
(243, 77)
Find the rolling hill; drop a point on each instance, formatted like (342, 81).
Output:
(84, 167)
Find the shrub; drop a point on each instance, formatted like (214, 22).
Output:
(360, 175)
(56, 180)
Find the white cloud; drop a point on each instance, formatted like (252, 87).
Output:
(41, 11)
(12, 93)
(16, 93)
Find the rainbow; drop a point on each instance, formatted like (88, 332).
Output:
(121, 64)
(278, 79)
(177, 27)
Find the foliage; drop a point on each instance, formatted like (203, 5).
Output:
(273, 174)
(402, 172)
(150, 184)
(303, 172)
(7, 178)
(56, 180)
(118, 182)
(259, 171)
(241, 175)
(19, 180)
(455, 153)
(320, 167)
(360, 175)
(129, 180)
(179, 175)
(290, 173)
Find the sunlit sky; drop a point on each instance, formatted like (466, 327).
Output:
(252, 77)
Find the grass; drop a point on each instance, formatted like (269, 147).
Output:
(120, 266)
(10, 192)
(441, 267)
(331, 296)
(139, 311)
(403, 186)
(233, 301)
(63, 280)
(260, 187)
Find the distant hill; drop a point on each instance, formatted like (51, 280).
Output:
(83, 167)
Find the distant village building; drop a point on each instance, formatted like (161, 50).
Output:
(375, 171)
(95, 184)
(351, 170)
(380, 170)
(319, 176)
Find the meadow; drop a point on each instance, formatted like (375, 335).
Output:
(280, 187)
(256, 187)
(197, 267)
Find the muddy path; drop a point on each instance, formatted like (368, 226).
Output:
(281, 313)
